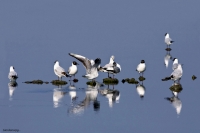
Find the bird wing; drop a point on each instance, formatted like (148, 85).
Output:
(86, 62)
(176, 73)
(167, 40)
(60, 70)
(12, 73)
(97, 62)
(69, 69)
(175, 66)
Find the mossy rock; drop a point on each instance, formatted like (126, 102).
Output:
(75, 80)
(58, 82)
(141, 78)
(194, 77)
(35, 82)
(92, 83)
(176, 88)
(113, 81)
(168, 49)
(130, 81)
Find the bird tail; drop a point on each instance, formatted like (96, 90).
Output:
(14, 77)
(171, 41)
(166, 78)
(169, 99)
(66, 75)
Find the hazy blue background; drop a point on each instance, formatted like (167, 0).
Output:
(33, 34)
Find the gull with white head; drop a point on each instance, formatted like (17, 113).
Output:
(168, 40)
(59, 71)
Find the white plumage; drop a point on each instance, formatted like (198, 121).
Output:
(12, 74)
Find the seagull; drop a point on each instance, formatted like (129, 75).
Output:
(141, 67)
(176, 74)
(73, 69)
(91, 66)
(116, 68)
(110, 64)
(59, 71)
(12, 74)
(168, 40)
(140, 90)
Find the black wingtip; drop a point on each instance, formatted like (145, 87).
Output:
(167, 98)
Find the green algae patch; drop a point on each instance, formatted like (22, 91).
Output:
(168, 49)
(141, 78)
(36, 82)
(130, 81)
(58, 82)
(92, 83)
(113, 81)
(194, 77)
(177, 88)
(75, 80)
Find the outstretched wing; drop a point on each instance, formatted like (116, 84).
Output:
(86, 62)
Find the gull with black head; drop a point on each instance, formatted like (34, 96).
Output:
(141, 67)
(73, 69)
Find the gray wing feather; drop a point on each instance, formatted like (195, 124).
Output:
(59, 70)
(86, 62)
(175, 66)
(167, 40)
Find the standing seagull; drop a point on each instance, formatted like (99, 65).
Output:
(141, 67)
(176, 74)
(168, 40)
(114, 69)
(59, 71)
(73, 69)
(91, 66)
(110, 64)
(12, 74)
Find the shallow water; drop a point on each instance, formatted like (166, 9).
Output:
(35, 34)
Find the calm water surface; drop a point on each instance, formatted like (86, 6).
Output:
(35, 34)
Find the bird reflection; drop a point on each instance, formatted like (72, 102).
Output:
(58, 95)
(167, 58)
(175, 101)
(12, 86)
(91, 96)
(112, 95)
(72, 92)
(140, 90)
